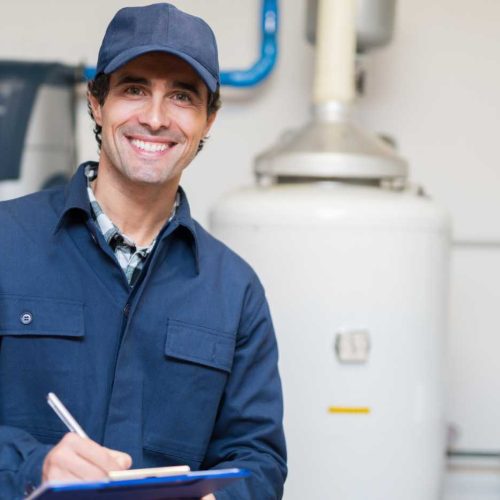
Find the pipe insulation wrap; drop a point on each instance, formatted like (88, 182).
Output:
(335, 51)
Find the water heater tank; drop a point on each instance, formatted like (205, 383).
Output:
(37, 126)
(356, 277)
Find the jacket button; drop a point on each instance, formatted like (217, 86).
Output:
(26, 318)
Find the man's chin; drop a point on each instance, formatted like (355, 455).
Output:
(151, 178)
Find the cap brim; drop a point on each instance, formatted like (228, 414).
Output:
(126, 56)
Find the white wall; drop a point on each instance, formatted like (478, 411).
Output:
(435, 90)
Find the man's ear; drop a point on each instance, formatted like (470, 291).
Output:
(210, 120)
(96, 108)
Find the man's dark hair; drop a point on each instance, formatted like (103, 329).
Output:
(99, 88)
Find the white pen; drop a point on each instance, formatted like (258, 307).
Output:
(65, 416)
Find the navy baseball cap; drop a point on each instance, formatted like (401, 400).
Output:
(135, 31)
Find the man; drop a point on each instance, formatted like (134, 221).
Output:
(156, 337)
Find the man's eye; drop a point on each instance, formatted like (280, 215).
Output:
(133, 91)
(182, 97)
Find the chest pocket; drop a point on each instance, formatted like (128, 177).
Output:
(27, 316)
(40, 351)
(185, 394)
(200, 345)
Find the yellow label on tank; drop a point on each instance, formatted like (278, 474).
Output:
(349, 409)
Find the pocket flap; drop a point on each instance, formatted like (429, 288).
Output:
(200, 345)
(20, 315)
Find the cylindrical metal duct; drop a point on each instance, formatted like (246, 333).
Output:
(374, 23)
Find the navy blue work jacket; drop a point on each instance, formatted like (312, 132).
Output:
(181, 369)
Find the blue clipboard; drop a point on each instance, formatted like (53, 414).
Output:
(188, 485)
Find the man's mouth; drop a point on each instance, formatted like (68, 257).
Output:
(150, 146)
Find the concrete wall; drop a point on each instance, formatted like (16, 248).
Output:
(435, 90)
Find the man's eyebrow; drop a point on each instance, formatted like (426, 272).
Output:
(139, 80)
(187, 86)
(128, 79)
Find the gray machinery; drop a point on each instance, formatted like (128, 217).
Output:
(37, 126)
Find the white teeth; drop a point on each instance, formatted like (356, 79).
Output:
(149, 146)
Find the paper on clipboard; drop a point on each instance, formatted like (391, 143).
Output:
(149, 472)
(188, 485)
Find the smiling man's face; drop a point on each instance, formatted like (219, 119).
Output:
(153, 119)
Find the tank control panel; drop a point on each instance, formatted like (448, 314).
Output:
(352, 345)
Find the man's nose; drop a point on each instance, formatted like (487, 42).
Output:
(154, 114)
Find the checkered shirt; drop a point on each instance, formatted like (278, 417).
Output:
(130, 256)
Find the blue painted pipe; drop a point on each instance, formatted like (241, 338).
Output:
(268, 54)
(88, 73)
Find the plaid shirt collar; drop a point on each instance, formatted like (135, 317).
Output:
(130, 256)
(74, 205)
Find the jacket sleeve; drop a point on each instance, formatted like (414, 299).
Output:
(21, 460)
(249, 428)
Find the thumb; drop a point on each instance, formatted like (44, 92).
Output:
(124, 460)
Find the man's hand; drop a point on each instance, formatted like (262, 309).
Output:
(208, 497)
(77, 458)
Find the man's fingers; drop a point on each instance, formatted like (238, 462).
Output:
(75, 457)
(99, 455)
(123, 459)
(69, 466)
(55, 474)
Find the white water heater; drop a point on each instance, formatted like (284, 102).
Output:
(356, 277)
(355, 264)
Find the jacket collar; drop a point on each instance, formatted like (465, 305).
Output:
(76, 201)
(183, 219)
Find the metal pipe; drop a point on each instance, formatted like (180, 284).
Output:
(484, 244)
(262, 68)
(473, 462)
(482, 454)
(335, 52)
